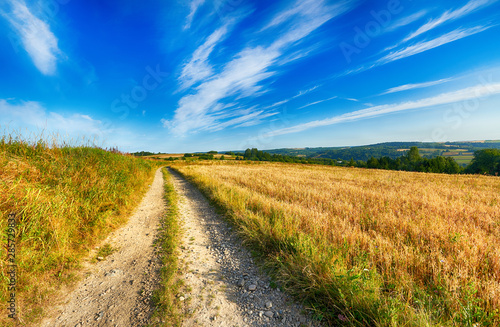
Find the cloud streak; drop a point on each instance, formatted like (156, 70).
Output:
(407, 20)
(198, 67)
(475, 92)
(449, 16)
(317, 102)
(194, 5)
(407, 87)
(35, 35)
(431, 44)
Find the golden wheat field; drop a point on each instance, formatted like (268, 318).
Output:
(369, 247)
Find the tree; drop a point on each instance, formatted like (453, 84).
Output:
(372, 163)
(485, 161)
(254, 153)
(413, 155)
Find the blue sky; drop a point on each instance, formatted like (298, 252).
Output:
(200, 75)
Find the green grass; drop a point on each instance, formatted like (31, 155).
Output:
(169, 311)
(66, 200)
(105, 251)
(463, 160)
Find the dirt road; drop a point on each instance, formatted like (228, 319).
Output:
(117, 290)
(227, 288)
(223, 285)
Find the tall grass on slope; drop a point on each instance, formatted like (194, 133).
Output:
(370, 247)
(65, 199)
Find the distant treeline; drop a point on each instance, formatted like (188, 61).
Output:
(143, 154)
(485, 161)
(392, 150)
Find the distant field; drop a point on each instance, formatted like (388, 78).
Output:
(462, 157)
(166, 156)
(370, 247)
(180, 155)
(461, 160)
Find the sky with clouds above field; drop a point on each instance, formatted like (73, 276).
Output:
(200, 75)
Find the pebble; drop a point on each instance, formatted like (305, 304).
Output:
(269, 314)
(252, 287)
(99, 315)
(269, 304)
(113, 272)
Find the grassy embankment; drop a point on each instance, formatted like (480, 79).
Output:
(66, 200)
(369, 247)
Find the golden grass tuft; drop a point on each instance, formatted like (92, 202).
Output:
(66, 199)
(373, 247)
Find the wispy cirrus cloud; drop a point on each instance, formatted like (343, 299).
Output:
(449, 16)
(407, 87)
(431, 44)
(407, 20)
(242, 75)
(198, 67)
(474, 92)
(318, 102)
(193, 8)
(304, 92)
(243, 118)
(298, 95)
(35, 35)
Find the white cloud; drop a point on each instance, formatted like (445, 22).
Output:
(475, 92)
(317, 102)
(38, 40)
(193, 8)
(415, 49)
(450, 15)
(415, 86)
(244, 118)
(304, 92)
(196, 111)
(243, 74)
(431, 44)
(407, 20)
(299, 94)
(33, 116)
(198, 68)
(279, 103)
